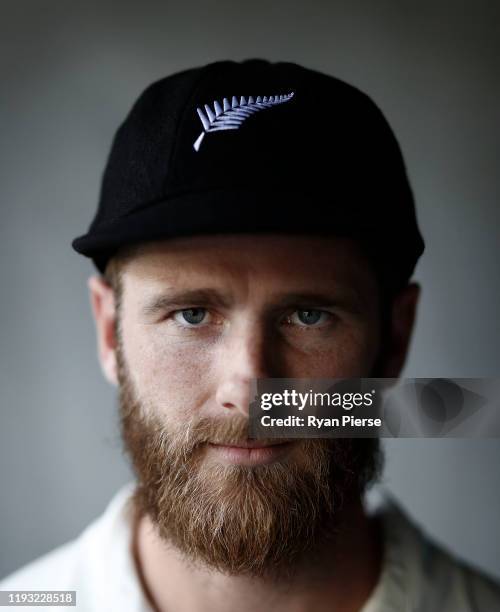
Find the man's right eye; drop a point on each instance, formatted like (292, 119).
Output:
(190, 316)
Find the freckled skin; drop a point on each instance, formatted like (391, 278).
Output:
(207, 368)
(186, 370)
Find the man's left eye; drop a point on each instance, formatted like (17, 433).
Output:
(309, 318)
(192, 316)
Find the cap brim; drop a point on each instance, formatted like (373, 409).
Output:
(234, 211)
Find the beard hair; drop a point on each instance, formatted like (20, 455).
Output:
(259, 521)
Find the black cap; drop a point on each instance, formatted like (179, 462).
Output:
(256, 146)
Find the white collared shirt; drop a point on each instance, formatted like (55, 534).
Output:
(417, 575)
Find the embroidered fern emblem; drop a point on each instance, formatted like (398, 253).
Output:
(231, 115)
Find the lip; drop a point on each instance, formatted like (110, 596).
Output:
(250, 453)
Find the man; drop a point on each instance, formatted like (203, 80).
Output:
(255, 221)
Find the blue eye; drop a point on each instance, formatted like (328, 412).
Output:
(309, 318)
(192, 316)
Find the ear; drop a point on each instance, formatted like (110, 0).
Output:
(103, 308)
(404, 308)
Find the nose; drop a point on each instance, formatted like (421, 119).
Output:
(245, 355)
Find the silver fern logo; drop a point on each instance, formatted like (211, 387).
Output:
(231, 115)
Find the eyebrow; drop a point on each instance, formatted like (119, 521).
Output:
(202, 297)
(340, 296)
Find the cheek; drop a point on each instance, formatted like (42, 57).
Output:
(350, 353)
(171, 376)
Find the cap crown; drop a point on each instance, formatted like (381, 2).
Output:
(233, 146)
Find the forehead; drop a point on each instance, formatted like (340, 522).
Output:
(244, 260)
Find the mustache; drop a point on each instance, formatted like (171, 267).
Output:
(188, 436)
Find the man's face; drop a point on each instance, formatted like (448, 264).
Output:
(200, 318)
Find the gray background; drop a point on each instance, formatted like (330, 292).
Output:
(69, 73)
